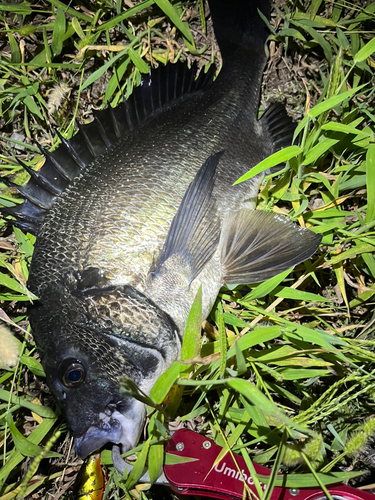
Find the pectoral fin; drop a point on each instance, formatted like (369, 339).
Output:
(257, 245)
(195, 230)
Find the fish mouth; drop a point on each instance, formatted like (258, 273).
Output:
(117, 428)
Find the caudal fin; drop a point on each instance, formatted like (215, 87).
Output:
(237, 23)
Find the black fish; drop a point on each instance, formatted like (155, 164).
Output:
(137, 211)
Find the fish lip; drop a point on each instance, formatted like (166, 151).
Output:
(113, 427)
(109, 430)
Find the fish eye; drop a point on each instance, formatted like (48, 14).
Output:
(71, 372)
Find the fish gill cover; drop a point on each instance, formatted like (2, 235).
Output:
(297, 349)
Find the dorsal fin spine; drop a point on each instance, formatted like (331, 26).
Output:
(128, 117)
(161, 88)
(86, 138)
(114, 122)
(40, 180)
(69, 147)
(102, 131)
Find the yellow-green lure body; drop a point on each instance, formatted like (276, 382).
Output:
(91, 481)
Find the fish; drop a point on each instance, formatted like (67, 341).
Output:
(139, 210)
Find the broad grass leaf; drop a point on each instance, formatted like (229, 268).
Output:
(42, 411)
(275, 353)
(309, 480)
(10, 297)
(365, 51)
(327, 214)
(23, 446)
(305, 20)
(370, 262)
(156, 453)
(370, 182)
(256, 416)
(138, 62)
(326, 105)
(40, 59)
(202, 16)
(15, 56)
(240, 360)
(339, 271)
(302, 362)
(300, 373)
(266, 287)
(115, 80)
(26, 242)
(35, 437)
(361, 299)
(324, 228)
(253, 337)
(99, 72)
(77, 28)
(171, 459)
(259, 400)
(190, 348)
(280, 157)
(33, 365)
(70, 10)
(139, 465)
(319, 39)
(351, 253)
(344, 43)
(281, 186)
(291, 32)
(32, 106)
(294, 294)
(346, 129)
(170, 11)
(58, 33)
(230, 319)
(12, 284)
(222, 343)
(23, 8)
(319, 149)
(258, 336)
(115, 21)
(164, 383)
(192, 336)
(315, 336)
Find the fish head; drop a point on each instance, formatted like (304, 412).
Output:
(89, 340)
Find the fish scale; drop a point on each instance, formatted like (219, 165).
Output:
(150, 215)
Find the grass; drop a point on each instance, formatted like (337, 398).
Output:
(284, 374)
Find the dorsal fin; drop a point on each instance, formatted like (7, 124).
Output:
(159, 90)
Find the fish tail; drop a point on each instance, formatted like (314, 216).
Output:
(237, 24)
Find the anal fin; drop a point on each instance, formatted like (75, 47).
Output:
(257, 245)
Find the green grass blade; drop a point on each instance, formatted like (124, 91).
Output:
(365, 51)
(370, 183)
(280, 157)
(266, 287)
(170, 11)
(58, 33)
